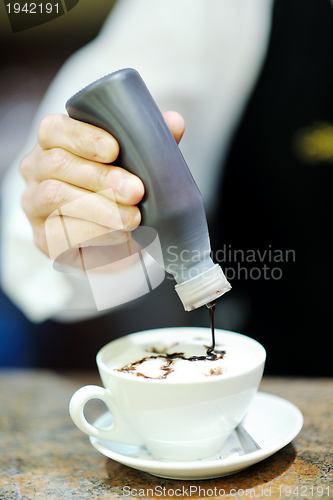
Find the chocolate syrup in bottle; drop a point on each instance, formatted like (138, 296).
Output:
(121, 104)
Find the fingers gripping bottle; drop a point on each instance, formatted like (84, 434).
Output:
(121, 104)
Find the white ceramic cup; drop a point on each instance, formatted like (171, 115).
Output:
(175, 420)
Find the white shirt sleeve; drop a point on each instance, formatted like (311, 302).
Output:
(199, 57)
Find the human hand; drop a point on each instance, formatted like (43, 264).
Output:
(71, 161)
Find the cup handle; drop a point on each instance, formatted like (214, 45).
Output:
(118, 432)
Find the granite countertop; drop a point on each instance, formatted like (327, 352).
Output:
(44, 456)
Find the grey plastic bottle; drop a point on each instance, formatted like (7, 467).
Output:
(121, 104)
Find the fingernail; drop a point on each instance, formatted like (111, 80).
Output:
(125, 215)
(129, 215)
(118, 235)
(126, 187)
(102, 149)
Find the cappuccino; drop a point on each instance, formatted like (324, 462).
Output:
(166, 393)
(183, 361)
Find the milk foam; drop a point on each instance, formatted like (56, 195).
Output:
(151, 362)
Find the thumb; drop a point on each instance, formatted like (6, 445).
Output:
(176, 124)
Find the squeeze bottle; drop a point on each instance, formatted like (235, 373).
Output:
(121, 104)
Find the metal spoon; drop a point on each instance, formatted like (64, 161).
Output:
(247, 442)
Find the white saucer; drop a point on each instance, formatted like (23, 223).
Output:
(273, 423)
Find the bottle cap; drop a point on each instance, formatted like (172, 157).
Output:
(202, 289)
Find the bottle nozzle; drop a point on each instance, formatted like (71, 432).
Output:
(203, 289)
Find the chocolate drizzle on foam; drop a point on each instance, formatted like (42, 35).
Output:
(169, 364)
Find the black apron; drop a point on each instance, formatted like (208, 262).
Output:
(276, 196)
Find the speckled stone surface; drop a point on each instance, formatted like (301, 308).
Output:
(44, 456)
